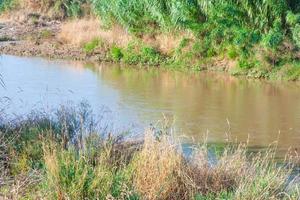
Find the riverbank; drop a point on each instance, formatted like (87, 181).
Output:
(39, 38)
(66, 155)
(87, 39)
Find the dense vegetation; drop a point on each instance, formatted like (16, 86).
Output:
(259, 35)
(68, 155)
(261, 38)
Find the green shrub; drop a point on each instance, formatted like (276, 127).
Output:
(73, 9)
(273, 39)
(7, 4)
(232, 53)
(292, 19)
(296, 34)
(116, 53)
(293, 73)
(245, 63)
(150, 56)
(92, 45)
(131, 57)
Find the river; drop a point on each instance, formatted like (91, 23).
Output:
(200, 105)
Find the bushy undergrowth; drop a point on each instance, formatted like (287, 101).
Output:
(63, 156)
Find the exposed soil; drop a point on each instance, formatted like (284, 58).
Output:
(37, 36)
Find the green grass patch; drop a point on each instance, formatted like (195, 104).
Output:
(116, 53)
(91, 46)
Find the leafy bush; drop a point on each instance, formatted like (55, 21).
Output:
(232, 53)
(293, 73)
(150, 56)
(7, 4)
(296, 34)
(292, 19)
(274, 38)
(92, 45)
(116, 53)
(245, 63)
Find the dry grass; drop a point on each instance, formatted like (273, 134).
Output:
(162, 173)
(81, 31)
(156, 167)
(201, 177)
(111, 168)
(166, 42)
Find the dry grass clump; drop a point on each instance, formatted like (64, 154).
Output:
(160, 172)
(166, 42)
(156, 168)
(81, 31)
(202, 177)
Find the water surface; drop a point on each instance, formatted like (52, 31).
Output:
(198, 104)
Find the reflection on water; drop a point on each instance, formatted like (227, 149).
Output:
(258, 111)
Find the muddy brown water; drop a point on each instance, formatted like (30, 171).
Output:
(200, 105)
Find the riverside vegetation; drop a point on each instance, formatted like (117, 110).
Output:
(68, 155)
(259, 38)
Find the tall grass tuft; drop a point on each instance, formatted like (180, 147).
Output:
(156, 168)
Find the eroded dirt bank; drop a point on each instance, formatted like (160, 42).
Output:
(38, 36)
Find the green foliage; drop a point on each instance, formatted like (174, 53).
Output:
(116, 53)
(232, 53)
(296, 34)
(134, 14)
(274, 38)
(137, 53)
(150, 55)
(60, 8)
(73, 8)
(131, 55)
(292, 19)
(92, 45)
(190, 14)
(70, 175)
(293, 73)
(7, 4)
(245, 63)
(221, 196)
(63, 8)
